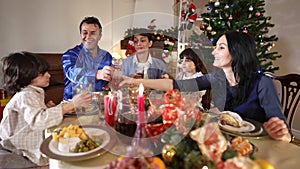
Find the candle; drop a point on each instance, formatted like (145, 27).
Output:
(109, 117)
(140, 101)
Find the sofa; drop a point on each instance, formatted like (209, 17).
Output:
(55, 89)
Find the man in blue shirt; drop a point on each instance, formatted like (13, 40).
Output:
(86, 64)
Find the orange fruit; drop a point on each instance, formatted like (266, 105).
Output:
(157, 161)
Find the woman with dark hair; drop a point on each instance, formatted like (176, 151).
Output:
(26, 115)
(245, 90)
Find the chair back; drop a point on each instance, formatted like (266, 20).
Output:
(290, 91)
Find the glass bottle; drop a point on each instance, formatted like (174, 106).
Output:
(125, 117)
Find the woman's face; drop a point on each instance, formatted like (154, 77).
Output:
(187, 65)
(221, 53)
(141, 43)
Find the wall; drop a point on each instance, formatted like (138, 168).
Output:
(53, 25)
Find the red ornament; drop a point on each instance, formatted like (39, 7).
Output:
(230, 17)
(257, 14)
(245, 31)
(202, 27)
(238, 15)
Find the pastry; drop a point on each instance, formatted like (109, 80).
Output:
(231, 118)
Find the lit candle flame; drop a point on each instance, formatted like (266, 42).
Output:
(141, 89)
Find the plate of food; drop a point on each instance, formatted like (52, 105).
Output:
(232, 122)
(228, 122)
(75, 143)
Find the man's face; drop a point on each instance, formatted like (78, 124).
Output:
(90, 35)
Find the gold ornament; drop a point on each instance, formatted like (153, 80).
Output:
(168, 152)
(209, 28)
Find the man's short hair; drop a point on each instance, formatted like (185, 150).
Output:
(91, 20)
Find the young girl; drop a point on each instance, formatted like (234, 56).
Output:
(191, 66)
(26, 116)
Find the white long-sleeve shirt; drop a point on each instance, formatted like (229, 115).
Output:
(25, 118)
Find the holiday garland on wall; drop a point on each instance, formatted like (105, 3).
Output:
(168, 37)
(245, 16)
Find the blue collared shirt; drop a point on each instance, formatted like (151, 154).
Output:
(80, 69)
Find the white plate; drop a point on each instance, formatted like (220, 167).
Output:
(246, 127)
(53, 145)
(50, 147)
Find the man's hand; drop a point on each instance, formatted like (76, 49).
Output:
(105, 73)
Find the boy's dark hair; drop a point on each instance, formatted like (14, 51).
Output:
(148, 35)
(143, 32)
(20, 68)
(91, 20)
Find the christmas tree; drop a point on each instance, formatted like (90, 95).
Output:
(246, 16)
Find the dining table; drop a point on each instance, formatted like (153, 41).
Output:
(282, 155)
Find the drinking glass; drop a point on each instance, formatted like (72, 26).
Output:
(98, 98)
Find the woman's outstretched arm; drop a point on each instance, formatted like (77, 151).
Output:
(158, 84)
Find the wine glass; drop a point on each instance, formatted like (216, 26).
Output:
(116, 75)
(156, 98)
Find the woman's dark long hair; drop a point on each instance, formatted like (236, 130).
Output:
(245, 62)
(20, 69)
